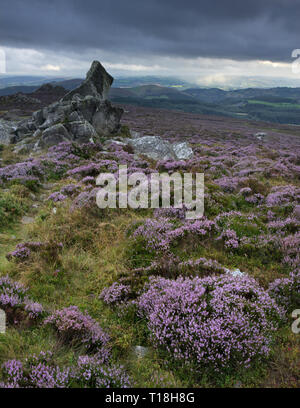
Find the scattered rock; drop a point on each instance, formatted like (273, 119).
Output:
(157, 148)
(235, 272)
(140, 351)
(27, 220)
(260, 135)
(182, 151)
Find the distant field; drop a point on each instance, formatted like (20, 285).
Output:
(275, 104)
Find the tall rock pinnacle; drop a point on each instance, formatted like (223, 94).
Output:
(97, 83)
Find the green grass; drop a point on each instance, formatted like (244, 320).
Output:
(284, 105)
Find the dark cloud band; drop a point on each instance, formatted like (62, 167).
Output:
(255, 29)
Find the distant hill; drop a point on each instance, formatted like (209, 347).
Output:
(217, 95)
(278, 105)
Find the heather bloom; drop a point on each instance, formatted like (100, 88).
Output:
(169, 266)
(116, 293)
(162, 232)
(79, 329)
(13, 298)
(12, 294)
(217, 321)
(25, 249)
(286, 291)
(90, 372)
(70, 189)
(36, 372)
(57, 196)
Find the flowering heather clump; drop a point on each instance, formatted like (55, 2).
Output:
(286, 291)
(161, 233)
(16, 303)
(283, 196)
(24, 250)
(70, 189)
(116, 293)
(34, 309)
(220, 321)
(88, 180)
(12, 294)
(290, 248)
(37, 372)
(154, 232)
(171, 266)
(57, 196)
(90, 372)
(230, 239)
(77, 328)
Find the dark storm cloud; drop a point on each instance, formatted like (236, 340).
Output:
(256, 29)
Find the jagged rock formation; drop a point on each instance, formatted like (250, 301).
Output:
(82, 114)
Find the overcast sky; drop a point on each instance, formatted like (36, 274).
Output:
(202, 40)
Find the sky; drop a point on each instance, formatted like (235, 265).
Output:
(207, 42)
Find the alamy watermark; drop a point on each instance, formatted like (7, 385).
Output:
(156, 190)
(2, 321)
(296, 323)
(2, 61)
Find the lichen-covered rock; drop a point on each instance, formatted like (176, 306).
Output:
(53, 135)
(6, 129)
(153, 147)
(157, 148)
(182, 151)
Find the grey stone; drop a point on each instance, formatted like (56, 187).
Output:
(82, 131)
(182, 151)
(235, 272)
(134, 134)
(53, 135)
(153, 147)
(140, 351)
(97, 83)
(27, 220)
(157, 148)
(106, 119)
(6, 130)
(260, 135)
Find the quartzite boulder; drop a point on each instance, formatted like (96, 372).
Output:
(157, 148)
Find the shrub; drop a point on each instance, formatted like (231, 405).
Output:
(37, 372)
(220, 321)
(286, 291)
(90, 372)
(42, 372)
(79, 329)
(15, 302)
(116, 293)
(11, 207)
(46, 250)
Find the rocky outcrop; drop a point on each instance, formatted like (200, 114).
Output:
(81, 115)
